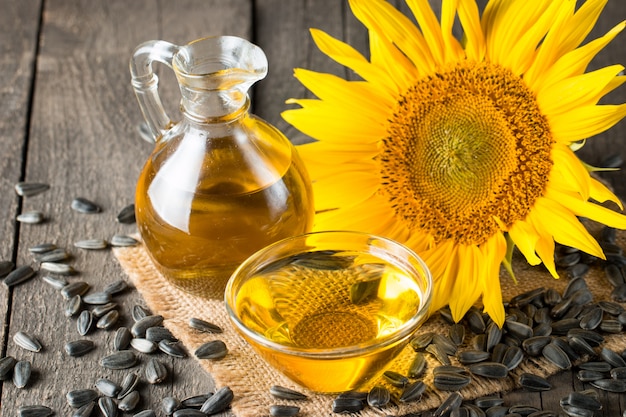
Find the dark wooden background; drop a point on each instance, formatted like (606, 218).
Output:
(68, 117)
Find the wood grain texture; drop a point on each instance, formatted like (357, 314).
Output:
(78, 133)
(19, 25)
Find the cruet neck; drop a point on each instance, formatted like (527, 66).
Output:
(215, 74)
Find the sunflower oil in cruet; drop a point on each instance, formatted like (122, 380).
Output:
(221, 183)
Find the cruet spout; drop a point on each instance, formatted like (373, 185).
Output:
(214, 76)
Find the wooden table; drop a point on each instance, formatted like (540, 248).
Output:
(68, 117)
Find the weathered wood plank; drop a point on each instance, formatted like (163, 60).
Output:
(19, 25)
(83, 142)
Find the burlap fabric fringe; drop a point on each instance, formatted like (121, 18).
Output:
(251, 389)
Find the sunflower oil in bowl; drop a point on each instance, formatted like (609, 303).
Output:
(330, 319)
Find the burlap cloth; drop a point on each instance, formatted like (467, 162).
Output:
(250, 377)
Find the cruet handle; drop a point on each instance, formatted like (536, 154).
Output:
(145, 82)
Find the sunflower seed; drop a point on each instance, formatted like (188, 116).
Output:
(494, 335)
(97, 298)
(195, 401)
(85, 410)
(218, 402)
(347, 405)
(107, 387)
(577, 399)
(534, 345)
(556, 356)
(567, 260)
(158, 333)
(129, 402)
(145, 413)
(378, 396)
(591, 319)
(488, 401)
(284, 410)
(42, 248)
(21, 374)
(82, 205)
(513, 357)
(7, 364)
(57, 268)
(34, 411)
(489, 369)
(30, 189)
(169, 405)
(451, 381)
(174, 349)
(27, 341)
(610, 385)
(79, 397)
(421, 341)
(475, 321)
(79, 347)
(611, 326)
(618, 373)
(452, 402)
(472, 356)
(73, 306)
(74, 288)
(139, 312)
(475, 411)
(543, 329)
(100, 310)
(417, 366)
(30, 217)
(519, 330)
(19, 275)
(357, 395)
(116, 287)
(613, 274)
(457, 334)
(122, 338)
(109, 320)
(123, 241)
(497, 354)
(413, 392)
(563, 326)
(577, 271)
(139, 328)
(127, 215)
(585, 375)
(107, 406)
(284, 393)
(129, 383)
(580, 345)
(215, 349)
(188, 412)
(534, 383)
(439, 354)
(498, 411)
(612, 357)
(55, 255)
(92, 244)
(522, 410)
(204, 326)
(619, 293)
(84, 322)
(155, 371)
(597, 366)
(396, 379)
(611, 308)
(55, 282)
(122, 359)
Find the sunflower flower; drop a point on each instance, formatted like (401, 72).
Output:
(463, 148)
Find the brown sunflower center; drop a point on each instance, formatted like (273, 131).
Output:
(464, 147)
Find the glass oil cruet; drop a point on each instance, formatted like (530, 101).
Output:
(220, 183)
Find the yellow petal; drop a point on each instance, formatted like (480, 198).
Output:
(545, 244)
(347, 56)
(357, 95)
(575, 176)
(588, 209)
(601, 194)
(331, 154)
(382, 17)
(494, 251)
(577, 91)
(385, 55)
(565, 227)
(345, 188)
(584, 122)
(468, 284)
(469, 17)
(580, 25)
(525, 238)
(332, 124)
(575, 62)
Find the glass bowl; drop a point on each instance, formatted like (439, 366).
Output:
(330, 310)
